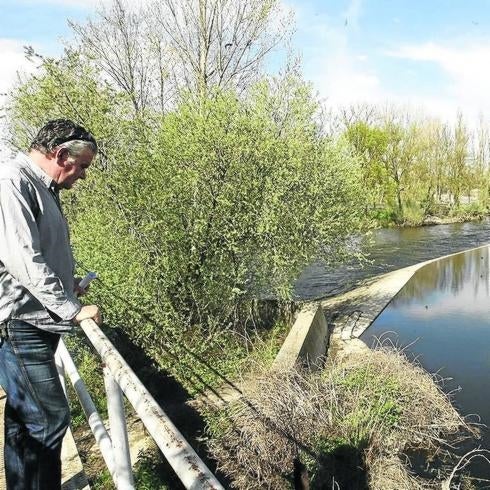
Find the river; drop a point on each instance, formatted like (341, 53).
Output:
(441, 317)
(390, 249)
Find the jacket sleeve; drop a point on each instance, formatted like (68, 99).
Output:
(20, 252)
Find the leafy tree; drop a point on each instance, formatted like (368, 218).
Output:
(196, 214)
(412, 165)
(457, 171)
(481, 152)
(66, 87)
(370, 143)
(165, 47)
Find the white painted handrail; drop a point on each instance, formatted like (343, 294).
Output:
(119, 432)
(94, 420)
(190, 469)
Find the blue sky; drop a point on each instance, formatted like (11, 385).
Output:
(429, 55)
(432, 55)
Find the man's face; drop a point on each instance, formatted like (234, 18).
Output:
(73, 168)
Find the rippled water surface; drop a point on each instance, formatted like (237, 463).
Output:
(392, 249)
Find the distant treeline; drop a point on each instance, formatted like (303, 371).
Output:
(414, 168)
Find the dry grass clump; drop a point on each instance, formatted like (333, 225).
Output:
(350, 426)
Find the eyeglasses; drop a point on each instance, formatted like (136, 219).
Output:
(88, 138)
(83, 137)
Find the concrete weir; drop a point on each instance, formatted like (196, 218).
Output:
(347, 315)
(336, 323)
(307, 340)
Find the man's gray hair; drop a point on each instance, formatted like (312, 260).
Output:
(76, 147)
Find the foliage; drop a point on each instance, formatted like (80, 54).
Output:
(356, 424)
(413, 214)
(371, 144)
(65, 87)
(148, 471)
(103, 481)
(192, 216)
(470, 210)
(415, 168)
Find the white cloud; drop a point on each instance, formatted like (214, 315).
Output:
(341, 76)
(342, 81)
(466, 67)
(13, 62)
(88, 4)
(344, 76)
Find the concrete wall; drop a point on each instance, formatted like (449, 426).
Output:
(307, 340)
(349, 315)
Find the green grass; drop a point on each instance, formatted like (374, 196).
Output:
(149, 472)
(355, 419)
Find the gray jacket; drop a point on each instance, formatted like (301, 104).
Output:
(36, 261)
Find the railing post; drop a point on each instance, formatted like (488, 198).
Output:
(191, 470)
(95, 422)
(61, 370)
(119, 433)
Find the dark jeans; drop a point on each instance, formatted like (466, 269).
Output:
(36, 412)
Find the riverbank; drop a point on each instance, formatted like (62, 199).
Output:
(447, 220)
(378, 410)
(411, 220)
(355, 424)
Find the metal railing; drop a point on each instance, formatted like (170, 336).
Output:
(119, 378)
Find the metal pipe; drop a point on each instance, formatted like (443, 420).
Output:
(60, 367)
(192, 472)
(119, 433)
(94, 420)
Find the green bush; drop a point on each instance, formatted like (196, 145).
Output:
(413, 214)
(384, 217)
(190, 217)
(470, 210)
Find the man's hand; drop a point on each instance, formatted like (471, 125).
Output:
(87, 312)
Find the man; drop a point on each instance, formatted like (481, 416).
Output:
(38, 299)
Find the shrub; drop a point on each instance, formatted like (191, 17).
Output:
(470, 210)
(413, 214)
(191, 216)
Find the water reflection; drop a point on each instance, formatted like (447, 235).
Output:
(460, 277)
(443, 315)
